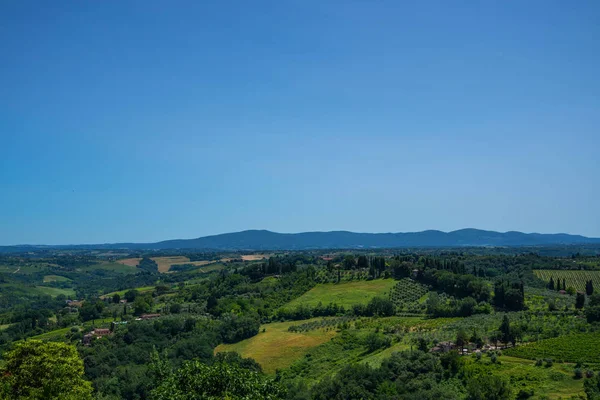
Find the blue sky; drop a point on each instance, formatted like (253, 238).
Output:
(143, 121)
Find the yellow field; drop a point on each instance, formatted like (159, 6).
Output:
(254, 257)
(130, 262)
(277, 348)
(164, 263)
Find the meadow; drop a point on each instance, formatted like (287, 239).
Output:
(344, 294)
(554, 382)
(55, 278)
(275, 347)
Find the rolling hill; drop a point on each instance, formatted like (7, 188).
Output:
(267, 240)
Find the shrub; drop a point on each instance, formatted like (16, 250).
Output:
(539, 362)
(589, 373)
(525, 394)
(549, 362)
(578, 373)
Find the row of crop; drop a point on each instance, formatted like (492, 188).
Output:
(576, 279)
(406, 294)
(579, 347)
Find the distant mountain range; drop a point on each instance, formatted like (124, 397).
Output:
(267, 240)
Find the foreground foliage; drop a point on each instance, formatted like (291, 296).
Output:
(38, 370)
(198, 381)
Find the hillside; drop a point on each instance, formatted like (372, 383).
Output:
(267, 240)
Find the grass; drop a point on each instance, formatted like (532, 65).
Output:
(55, 278)
(375, 359)
(276, 348)
(556, 382)
(122, 292)
(52, 291)
(344, 294)
(575, 279)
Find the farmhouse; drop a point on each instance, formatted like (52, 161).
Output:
(96, 333)
(74, 303)
(443, 347)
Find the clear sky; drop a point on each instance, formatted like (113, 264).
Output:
(150, 120)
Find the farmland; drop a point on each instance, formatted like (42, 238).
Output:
(572, 348)
(164, 263)
(268, 313)
(277, 347)
(554, 382)
(407, 295)
(344, 294)
(55, 278)
(576, 279)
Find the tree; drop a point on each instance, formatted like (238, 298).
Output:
(579, 300)
(461, 339)
(130, 295)
(141, 305)
(589, 288)
(488, 387)
(592, 388)
(39, 370)
(116, 298)
(362, 262)
(175, 308)
(551, 284)
(349, 262)
(505, 329)
(197, 381)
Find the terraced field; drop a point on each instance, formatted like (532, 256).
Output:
(576, 279)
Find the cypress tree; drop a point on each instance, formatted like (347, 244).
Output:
(551, 284)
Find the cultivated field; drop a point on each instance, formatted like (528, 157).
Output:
(583, 347)
(164, 263)
(52, 291)
(553, 383)
(122, 292)
(254, 257)
(576, 279)
(278, 348)
(55, 278)
(345, 293)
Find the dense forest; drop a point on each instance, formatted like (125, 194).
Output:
(381, 324)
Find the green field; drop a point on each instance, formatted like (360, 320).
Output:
(52, 291)
(576, 279)
(122, 292)
(55, 278)
(110, 266)
(278, 348)
(344, 294)
(555, 382)
(583, 347)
